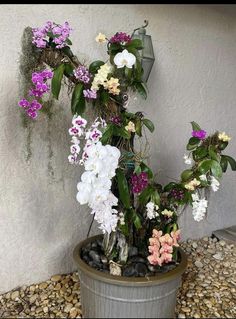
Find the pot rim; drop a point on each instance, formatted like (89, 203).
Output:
(123, 280)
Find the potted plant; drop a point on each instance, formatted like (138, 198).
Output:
(133, 269)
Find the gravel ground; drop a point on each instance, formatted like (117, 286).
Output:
(208, 289)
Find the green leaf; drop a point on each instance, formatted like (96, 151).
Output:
(155, 197)
(78, 100)
(149, 124)
(107, 134)
(56, 80)
(94, 66)
(216, 169)
(223, 163)
(68, 71)
(121, 131)
(123, 188)
(186, 175)
(138, 127)
(231, 161)
(146, 169)
(135, 43)
(192, 143)
(141, 89)
(212, 153)
(68, 41)
(195, 126)
(205, 166)
(137, 221)
(145, 195)
(137, 169)
(199, 153)
(223, 145)
(170, 186)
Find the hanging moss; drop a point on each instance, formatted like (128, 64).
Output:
(29, 61)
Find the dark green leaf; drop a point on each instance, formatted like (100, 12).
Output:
(223, 145)
(138, 127)
(94, 66)
(155, 197)
(195, 126)
(223, 163)
(68, 41)
(205, 166)
(67, 51)
(212, 153)
(199, 153)
(68, 71)
(186, 175)
(56, 80)
(192, 143)
(78, 100)
(107, 134)
(137, 169)
(121, 131)
(231, 161)
(141, 89)
(149, 124)
(145, 195)
(169, 186)
(137, 221)
(123, 188)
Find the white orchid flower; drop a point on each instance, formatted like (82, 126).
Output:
(124, 58)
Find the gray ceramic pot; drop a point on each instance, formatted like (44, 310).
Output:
(107, 296)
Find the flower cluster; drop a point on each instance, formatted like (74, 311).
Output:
(82, 74)
(90, 94)
(214, 183)
(40, 88)
(31, 108)
(192, 184)
(100, 77)
(152, 210)
(120, 37)
(200, 134)
(58, 33)
(199, 207)
(177, 194)
(161, 246)
(224, 137)
(100, 163)
(139, 182)
(116, 120)
(124, 58)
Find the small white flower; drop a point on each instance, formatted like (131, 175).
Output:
(75, 148)
(124, 58)
(203, 178)
(199, 207)
(214, 184)
(152, 210)
(187, 160)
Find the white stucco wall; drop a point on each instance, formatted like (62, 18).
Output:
(193, 78)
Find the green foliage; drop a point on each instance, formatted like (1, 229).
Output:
(185, 176)
(139, 86)
(56, 80)
(149, 124)
(199, 153)
(78, 100)
(94, 66)
(68, 71)
(195, 126)
(230, 160)
(193, 143)
(123, 188)
(135, 43)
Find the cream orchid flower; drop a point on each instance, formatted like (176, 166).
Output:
(124, 58)
(224, 137)
(130, 127)
(100, 38)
